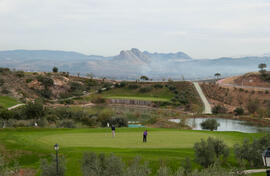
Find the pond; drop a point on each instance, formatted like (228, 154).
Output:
(225, 125)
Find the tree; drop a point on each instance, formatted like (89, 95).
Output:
(217, 75)
(101, 165)
(238, 111)
(210, 124)
(34, 110)
(262, 67)
(90, 75)
(251, 151)
(55, 69)
(219, 109)
(253, 106)
(49, 168)
(144, 78)
(208, 151)
(136, 168)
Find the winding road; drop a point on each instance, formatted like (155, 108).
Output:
(207, 107)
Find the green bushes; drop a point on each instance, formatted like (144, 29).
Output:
(2, 82)
(46, 81)
(145, 89)
(208, 151)
(133, 86)
(250, 152)
(219, 109)
(101, 165)
(210, 124)
(49, 168)
(238, 111)
(253, 106)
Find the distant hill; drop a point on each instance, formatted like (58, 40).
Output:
(130, 64)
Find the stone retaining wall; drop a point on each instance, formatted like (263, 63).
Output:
(130, 102)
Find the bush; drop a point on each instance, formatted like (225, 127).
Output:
(210, 124)
(119, 122)
(133, 86)
(34, 110)
(145, 89)
(137, 169)
(47, 82)
(207, 152)
(101, 165)
(253, 106)
(219, 109)
(49, 168)
(158, 86)
(28, 80)
(67, 124)
(2, 82)
(19, 74)
(98, 100)
(238, 111)
(55, 69)
(5, 91)
(251, 151)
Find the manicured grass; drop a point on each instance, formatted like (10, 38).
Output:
(171, 146)
(138, 98)
(7, 102)
(156, 94)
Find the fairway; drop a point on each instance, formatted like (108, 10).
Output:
(170, 145)
(7, 102)
(164, 139)
(138, 98)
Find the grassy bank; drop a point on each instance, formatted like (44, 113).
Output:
(7, 102)
(169, 145)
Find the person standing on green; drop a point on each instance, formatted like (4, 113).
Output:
(145, 136)
(113, 131)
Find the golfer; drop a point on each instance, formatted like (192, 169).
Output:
(145, 136)
(113, 130)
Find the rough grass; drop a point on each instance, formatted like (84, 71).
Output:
(7, 102)
(156, 94)
(138, 98)
(171, 146)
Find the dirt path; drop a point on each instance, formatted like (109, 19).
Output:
(254, 171)
(207, 107)
(16, 106)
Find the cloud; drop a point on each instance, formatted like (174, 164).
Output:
(200, 27)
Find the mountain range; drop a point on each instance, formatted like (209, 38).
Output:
(131, 64)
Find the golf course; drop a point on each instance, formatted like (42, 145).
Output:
(171, 146)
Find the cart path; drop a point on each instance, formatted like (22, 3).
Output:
(15, 106)
(207, 107)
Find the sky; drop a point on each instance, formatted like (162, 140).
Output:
(200, 28)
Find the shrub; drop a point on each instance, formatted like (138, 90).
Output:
(210, 124)
(251, 151)
(2, 82)
(145, 89)
(133, 86)
(98, 100)
(67, 124)
(49, 168)
(19, 74)
(47, 82)
(28, 80)
(137, 169)
(55, 69)
(164, 171)
(219, 109)
(207, 151)
(253, 105)
(5, 91)
(101, 165)
(266, 92)
(158, 86)
(34, 110)
(119, 122)
(238, 111)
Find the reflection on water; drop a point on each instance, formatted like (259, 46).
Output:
(225, 125)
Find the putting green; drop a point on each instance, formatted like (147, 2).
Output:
(156, 139)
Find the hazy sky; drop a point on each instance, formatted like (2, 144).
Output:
(201, 28)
